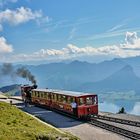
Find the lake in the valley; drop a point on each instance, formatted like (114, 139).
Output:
(131, 107)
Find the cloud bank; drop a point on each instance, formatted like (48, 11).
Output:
(130, 48)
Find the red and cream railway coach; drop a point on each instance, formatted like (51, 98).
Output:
(86, 104)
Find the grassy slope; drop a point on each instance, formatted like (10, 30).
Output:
(16, 125)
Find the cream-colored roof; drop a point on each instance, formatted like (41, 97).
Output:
(64, 92)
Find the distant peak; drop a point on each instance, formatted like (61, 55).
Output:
(127, 67)
(78, 62)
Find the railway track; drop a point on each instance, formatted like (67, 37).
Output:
(126, 133)
(117, 120)
(109, 127)
(115, 129)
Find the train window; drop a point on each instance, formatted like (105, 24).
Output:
(33, 93)
(59, 98)
(37, 94)
(68, 100)
(89, 100)
(49, 96)
(45, 95)
(95, 100)
(72, 99)
(56, 97)
(64, 99)
(53, 96)
(81, 101)
(42, 95)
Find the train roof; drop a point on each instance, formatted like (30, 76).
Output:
(64, 92)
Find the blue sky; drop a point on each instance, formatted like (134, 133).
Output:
(52, 30)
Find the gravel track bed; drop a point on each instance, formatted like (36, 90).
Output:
(127, 127)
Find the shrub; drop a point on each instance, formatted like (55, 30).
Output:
(122, 110)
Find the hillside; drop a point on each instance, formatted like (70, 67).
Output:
(9, 90)
(16, 125)
(123, 80)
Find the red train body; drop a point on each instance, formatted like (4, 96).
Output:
(86, 104)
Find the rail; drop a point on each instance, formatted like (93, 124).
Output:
(117, 120)
(115, 129)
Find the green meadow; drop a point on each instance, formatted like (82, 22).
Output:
(17, 125)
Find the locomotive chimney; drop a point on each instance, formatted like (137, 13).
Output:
(34, 86)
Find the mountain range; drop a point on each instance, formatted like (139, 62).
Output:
(119, 74)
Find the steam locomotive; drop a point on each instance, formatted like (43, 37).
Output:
(86, 104)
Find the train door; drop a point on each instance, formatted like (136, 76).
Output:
(81, 106)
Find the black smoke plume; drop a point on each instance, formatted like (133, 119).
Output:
(25, 73)
(7, 69)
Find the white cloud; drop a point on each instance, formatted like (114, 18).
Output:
(131, 37)
(132, 42)
(116, 27)
(72, 33)
(20, 15)
(130, 48)
(4, 46)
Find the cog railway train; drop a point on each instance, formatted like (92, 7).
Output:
(86, 104)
